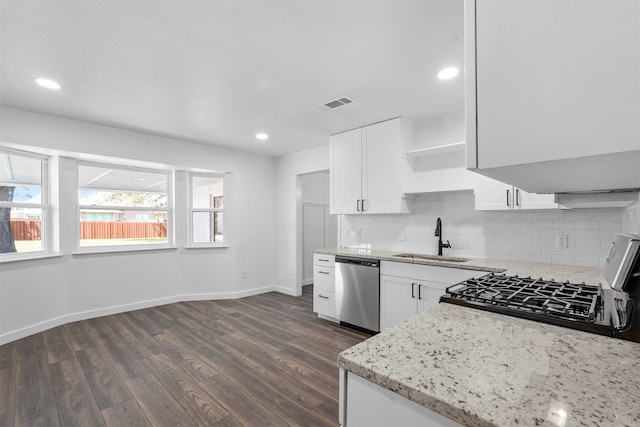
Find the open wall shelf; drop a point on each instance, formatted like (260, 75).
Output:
(432, 151)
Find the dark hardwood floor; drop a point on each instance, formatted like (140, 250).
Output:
(265, 360)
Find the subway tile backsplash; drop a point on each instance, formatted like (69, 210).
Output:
(516, 235)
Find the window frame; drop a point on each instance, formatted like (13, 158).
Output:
(169, 209)
(44, 205)
(192, 210)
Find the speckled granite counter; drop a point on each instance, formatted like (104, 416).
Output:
(589, 275)
(486, 369)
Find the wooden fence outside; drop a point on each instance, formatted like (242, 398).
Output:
(25, 230)
(30, 230)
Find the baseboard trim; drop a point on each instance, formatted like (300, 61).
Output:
(286, 291)
(90, 314)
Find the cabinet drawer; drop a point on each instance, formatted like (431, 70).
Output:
(428, 273)
(325, 260)
(422, 272)
(324, 302)
(324, 278)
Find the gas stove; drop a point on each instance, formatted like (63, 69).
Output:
(611, 309)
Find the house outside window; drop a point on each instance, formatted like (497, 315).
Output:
(207, 208)
(24, 202)
(121, 205)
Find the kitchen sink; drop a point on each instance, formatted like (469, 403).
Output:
(432, 257)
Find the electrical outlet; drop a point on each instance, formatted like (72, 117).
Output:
(244, 274)
(403, 235)
(562, 241)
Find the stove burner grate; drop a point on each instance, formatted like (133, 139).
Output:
(560, 299)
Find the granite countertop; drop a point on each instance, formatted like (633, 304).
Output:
(485, 369)
(572, 273)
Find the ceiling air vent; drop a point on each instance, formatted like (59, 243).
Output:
(336, 103)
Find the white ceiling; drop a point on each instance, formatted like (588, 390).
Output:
(217, 72)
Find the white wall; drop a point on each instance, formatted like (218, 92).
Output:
(38, 294)
(517, 235)
(440, 130)
(289, 214)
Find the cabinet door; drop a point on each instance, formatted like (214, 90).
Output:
(398, 300)
(381, 161)
(556, 80)
(368, 404)
(524, 200)
(493, 195)
(429, 294)
(346, 172)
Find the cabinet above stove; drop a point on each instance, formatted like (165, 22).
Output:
(552, 100)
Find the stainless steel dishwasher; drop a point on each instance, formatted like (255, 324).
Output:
(358, 292)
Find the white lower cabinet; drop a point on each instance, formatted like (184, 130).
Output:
(401, 298)
(324, 303)
(408, 289)
(324, 285)
(363, 403)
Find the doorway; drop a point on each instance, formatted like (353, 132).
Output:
(319, 229)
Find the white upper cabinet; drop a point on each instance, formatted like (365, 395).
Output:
(345, 187)
(555, 90)
(492, 195)
(365, 169)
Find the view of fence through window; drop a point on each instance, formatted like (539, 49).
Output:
(117, 205)
(22, 202)
(122, 206)
(207, 208)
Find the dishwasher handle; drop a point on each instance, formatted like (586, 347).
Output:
(358, 261)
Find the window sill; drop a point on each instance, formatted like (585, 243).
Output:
(28, 257)
(207, 246)
(122, 249)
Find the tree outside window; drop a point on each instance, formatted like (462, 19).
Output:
(23, 201)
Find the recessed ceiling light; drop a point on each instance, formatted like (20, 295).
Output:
(262, 136)
(448, 73)
(49, 84)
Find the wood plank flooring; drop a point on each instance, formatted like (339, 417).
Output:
(265, 360)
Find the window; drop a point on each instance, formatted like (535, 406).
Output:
(207, 208)
(23, 202)
(119, 205)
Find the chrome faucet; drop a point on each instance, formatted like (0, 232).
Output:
(439, 235)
